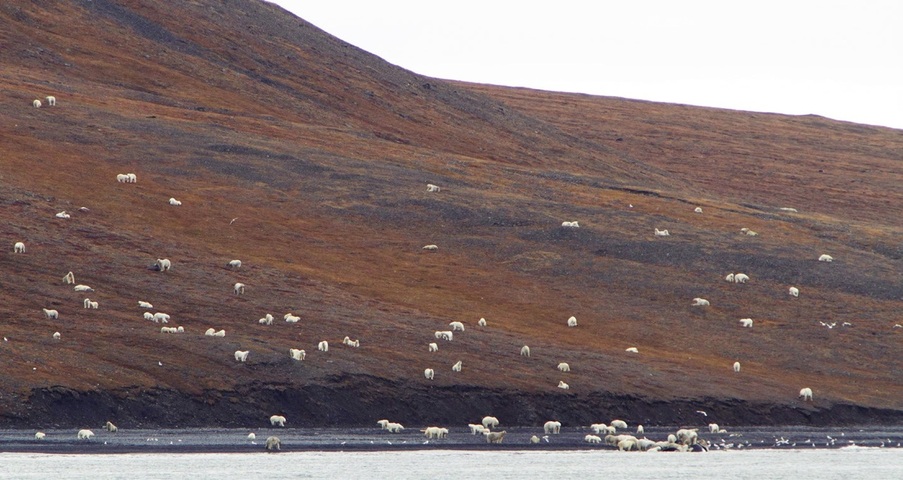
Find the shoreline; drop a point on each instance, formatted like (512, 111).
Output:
(128, 441)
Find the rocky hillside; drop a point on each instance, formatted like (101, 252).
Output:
(308, 159)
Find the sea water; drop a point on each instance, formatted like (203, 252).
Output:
(824, 464)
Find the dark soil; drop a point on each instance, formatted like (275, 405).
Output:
(357, 401)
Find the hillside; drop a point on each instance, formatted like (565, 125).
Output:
(308, 159)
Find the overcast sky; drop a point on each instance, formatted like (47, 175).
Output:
(838, 59)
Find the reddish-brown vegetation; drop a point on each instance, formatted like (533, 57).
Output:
(322, 153)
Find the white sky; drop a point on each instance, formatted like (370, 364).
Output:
(841, 59)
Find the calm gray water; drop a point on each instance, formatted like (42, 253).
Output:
(823, 464)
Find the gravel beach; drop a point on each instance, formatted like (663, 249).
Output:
(374, 439)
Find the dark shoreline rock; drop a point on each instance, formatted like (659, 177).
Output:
(360, 401)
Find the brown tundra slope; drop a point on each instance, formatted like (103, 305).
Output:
(308, 159)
